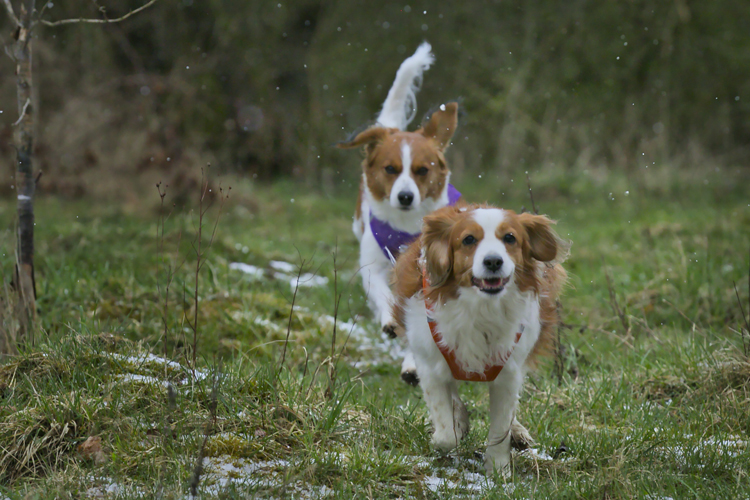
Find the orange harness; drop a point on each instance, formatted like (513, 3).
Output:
(490, 371)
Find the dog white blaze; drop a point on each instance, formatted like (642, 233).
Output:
(489, 219)
(405, 182)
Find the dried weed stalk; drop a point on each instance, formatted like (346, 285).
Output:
(614, 303)
(332, 372)
(168, 268)
(201, 252)
(291, 314)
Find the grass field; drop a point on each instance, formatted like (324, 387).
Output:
(652, 402)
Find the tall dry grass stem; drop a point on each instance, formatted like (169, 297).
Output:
(168, 269)
(201, 252)
(336, 302)
(614, 303)
(291, 315)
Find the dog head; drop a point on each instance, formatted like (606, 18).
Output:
(403, 169)
(485, 250)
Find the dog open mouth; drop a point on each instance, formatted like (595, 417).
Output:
(490, 285)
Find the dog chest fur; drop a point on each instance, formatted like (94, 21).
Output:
(480, 332)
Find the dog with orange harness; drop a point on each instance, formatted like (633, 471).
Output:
(476, 296)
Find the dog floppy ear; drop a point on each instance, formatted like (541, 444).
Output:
(543, 244)
(442, 125)
(436, 242)
(370, 137)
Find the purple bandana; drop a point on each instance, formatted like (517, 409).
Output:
(392, 241)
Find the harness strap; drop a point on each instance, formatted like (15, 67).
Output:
(490, 371)
(391, 240)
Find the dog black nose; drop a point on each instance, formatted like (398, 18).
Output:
(405, 198)
(493, 262)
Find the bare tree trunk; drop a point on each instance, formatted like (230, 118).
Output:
(25, 183)
(20, 51)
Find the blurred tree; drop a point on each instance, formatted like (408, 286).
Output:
(20, 50)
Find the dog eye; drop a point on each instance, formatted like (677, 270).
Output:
(509, 238)
(469, 240)
(390, 169)
(421, 171)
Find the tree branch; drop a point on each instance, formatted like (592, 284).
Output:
(23, 113)
(27, 10)
(98, 21)
(12, 14)
(41, 12)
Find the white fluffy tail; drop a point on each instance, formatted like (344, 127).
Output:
(400, 107)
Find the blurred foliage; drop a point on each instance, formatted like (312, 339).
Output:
(266, 88)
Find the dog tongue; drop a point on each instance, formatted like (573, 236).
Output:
(492, 282)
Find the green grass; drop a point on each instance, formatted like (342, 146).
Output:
(655, 406)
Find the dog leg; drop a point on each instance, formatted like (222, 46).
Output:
(503, 399)
(438, 395)
(409, 369)
(375, 282)
(460, 414)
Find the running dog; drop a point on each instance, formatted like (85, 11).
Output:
(476, 295)
(404, 177)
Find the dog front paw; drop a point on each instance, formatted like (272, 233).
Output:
(446, 440)
(497, 459)
(409, 369)
(391, 330)
(410, 377)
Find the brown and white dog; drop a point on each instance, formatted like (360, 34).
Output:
(404, 178)
(476, 296)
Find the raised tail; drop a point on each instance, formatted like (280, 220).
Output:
(400, 107)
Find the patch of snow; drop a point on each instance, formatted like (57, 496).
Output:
(455, 480)
(223, 471)
(535, 454)
(252, 271)
(731, 447)
(308, 280)
(284, 267)
(145, 379)
(731, 442)
(284, 272)
(140, 360)
(268, 324)
(110, 488)
(147, 358)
